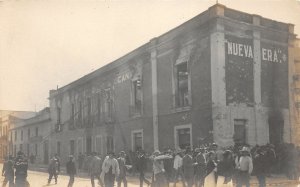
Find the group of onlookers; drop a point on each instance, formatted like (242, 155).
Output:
(207, 165)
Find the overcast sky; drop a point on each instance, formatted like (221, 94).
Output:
(48, 43)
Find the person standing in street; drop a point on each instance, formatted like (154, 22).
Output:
(95, 169)
(122, 176)
(158, 168)
(177, 165)
(188, 167)
(141, 167)
(80, 160)
(110, 168)
(225, 170)
(8, 172)
(245, 167)
(53, 169)
(200, 169)
(71, 170)
(259, 166)
(21, 166)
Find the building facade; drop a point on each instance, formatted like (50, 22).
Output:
(223, 76)
(5, 125)
(31, 135)
(296, 94)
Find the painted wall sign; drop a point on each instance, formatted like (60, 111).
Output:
(238, 49)
(244, 50)
(123, 77)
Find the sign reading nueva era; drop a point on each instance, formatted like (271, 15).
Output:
(244, 50)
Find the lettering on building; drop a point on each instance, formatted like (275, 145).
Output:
(243, 50)
(123, 77)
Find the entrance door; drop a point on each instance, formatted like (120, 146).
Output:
(276, 129)
(240, 131)
(46, 152)
(183, 137)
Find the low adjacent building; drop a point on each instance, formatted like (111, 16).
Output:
(6, 124)
(31, 136)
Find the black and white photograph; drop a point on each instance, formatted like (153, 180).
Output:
(157, 93)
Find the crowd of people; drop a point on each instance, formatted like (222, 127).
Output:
(207, 165)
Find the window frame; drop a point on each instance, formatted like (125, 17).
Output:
(175, 90)
(176, 138)
(133, 140)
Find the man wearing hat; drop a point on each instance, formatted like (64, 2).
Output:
(122, 176)
(200, 169)
(188, 167)
(8, 171)
(95, 169)
(141, 166)
(53, 169)
(21, 166)
(245, 167)
(158, 168)
(110, 168)
(178, 167)
(71, 170)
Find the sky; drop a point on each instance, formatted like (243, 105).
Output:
(45, 44)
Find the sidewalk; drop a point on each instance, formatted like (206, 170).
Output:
(274, 180)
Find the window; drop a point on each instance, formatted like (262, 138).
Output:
(36, 131)
(79, 146)
(36, 149)
(15, 135)
(109, 144)
(108, 107)
(21, 147)
(58, 125)
(21, 135)
(58, 148)
(136, 97)
(88, 144)
(183, 136)
(72, 117)
(239, 131)
(58, 115)
(182, 90)
(15, 150)
(28, 149)
(80, 114)
(72, 147)
(11, 136)
(99, 109)
(98, 144)
(89, 111)
(137, 140)
(28, 133)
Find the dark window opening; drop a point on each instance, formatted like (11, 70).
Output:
(239, 136)
(182, 89)
(137, 141)
(184, 138)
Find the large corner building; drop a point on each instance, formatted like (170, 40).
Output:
(223, 76)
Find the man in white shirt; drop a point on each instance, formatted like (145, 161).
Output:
(178, 167)
(158, 168)
(110, 168)
(245, 167)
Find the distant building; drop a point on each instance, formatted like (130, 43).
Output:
(31, 135)
(5, 125)
(222, 76)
